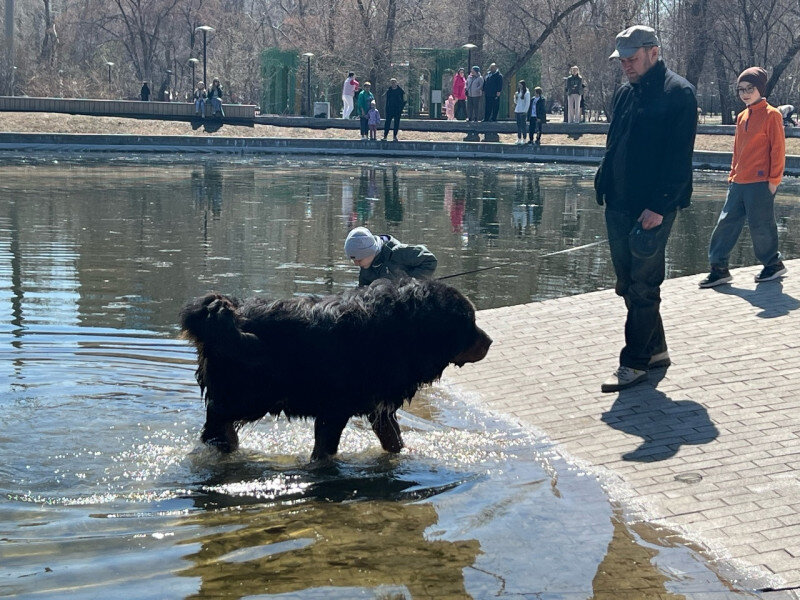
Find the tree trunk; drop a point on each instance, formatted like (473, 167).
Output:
(48, 53)
(698, 41)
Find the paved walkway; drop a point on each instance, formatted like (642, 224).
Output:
(710, 447)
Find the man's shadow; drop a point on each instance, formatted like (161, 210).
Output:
(663, 424)
(767, 296)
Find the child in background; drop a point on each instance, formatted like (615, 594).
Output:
(373, 120)
(759, 156)
(200, 96)
(538, 116)
(450, 108)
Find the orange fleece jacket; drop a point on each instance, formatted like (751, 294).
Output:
(759, 147)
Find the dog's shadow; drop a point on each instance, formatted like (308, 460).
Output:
(768, 296)
(663, 424)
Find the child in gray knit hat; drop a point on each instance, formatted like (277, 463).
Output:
(384, 257)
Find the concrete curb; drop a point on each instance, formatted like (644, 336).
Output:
(84, 143)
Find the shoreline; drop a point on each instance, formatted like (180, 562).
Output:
(707, 448)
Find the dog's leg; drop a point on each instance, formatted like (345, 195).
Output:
(327, 433)
(219, 433)
(385, 426)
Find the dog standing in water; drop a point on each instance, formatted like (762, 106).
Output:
(361, 353)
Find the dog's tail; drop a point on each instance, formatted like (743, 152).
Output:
(208, 317)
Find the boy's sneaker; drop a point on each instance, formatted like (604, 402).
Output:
(623, 377)
(659, 361)
(771, 272)
(716, 277)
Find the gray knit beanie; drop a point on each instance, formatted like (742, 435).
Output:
(360, 244)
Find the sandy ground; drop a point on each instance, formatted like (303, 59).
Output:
(61, 123)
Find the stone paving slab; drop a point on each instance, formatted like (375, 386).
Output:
(709, 447)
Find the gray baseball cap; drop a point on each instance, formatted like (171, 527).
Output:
(631, 39)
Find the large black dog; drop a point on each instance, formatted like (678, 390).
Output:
(363, 352)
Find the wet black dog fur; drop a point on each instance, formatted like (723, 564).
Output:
(360, 353)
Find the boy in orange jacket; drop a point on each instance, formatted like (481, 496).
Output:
(759, 154)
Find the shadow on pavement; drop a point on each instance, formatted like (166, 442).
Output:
(767, 296)
(663, 424)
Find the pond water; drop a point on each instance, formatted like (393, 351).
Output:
(104, 489)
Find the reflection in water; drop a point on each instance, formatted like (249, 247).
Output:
(276, 228)
(312, 546)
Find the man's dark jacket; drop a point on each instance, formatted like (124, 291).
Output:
(395, 100)
(397, 260)
(648, 159)
(493, 83)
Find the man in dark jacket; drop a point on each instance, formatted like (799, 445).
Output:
(383, 257)
(395, 101)
(492, 88)
(644, 179)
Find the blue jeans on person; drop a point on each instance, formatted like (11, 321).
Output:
(216, 106)
(639, 283)
(754, 202)
(364, 126)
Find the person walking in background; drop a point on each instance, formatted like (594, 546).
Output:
(460, 94)
(645, 177)
(522, 103)
(349, 90)
(363, 102)
(384, 257)
(144, 93)
(395, 102)
(474, 93)
(492, 88)
(574, 86)
(215, 98)
(759, 156)
(538, 116)
(373, 120)
(200, 96)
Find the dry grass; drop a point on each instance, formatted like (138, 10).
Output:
(61, 123)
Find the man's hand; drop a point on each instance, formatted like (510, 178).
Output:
(772, 188)
(649, 219)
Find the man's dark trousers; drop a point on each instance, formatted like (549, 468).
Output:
(492, 107)
(639, 283)
(387, 121)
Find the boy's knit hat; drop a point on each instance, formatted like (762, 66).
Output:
(360, 244)
(755, 75)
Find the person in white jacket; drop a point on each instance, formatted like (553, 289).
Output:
(522, 102)
(349, 88)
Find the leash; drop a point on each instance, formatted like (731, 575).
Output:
(507, 264)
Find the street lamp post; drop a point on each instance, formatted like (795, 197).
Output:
(469, 48)
(206, 30)
(193, 62)
(110, 64)
(308, 55)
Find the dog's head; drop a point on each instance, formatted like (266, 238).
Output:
(448, 318)
(475, 351)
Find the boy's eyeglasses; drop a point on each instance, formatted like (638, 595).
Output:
(745, 90)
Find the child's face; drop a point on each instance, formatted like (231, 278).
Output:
(748, 92)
